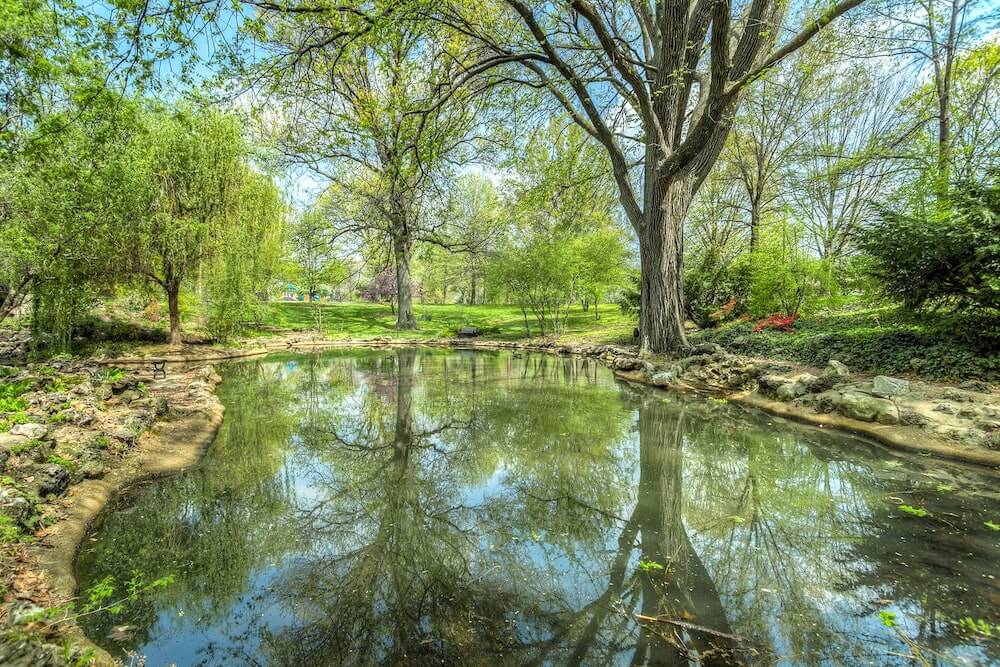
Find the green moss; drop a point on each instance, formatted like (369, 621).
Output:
(26, 446)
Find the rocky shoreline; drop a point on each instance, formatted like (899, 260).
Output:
(85, 430)
(81, 433)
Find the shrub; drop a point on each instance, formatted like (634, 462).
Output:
(784, 277)
(712, 283)
(888, 341)
(947, 257)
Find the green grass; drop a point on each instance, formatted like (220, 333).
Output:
(367, 320)
(878, 340)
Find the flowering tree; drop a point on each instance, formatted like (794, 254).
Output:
(382, 287)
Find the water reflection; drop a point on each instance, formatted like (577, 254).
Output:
(435, 507)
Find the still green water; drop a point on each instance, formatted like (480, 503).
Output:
(417, 506)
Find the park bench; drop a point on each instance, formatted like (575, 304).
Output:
(468, 332)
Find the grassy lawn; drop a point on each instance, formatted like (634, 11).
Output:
(366, 320)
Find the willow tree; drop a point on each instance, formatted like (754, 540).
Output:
(191, 163)
(656, 83)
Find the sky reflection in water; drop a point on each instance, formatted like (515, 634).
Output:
(449, 507)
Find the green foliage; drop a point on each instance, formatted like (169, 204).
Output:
(64, 462)
(946, 256)
(9, 532)
(877, 340)
(110, 375)
(709, 283)
(784, 277)
(26, 446)
(249, 255)
(914, 511)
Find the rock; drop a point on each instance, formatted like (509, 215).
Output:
(626, 364)
(975, 385)
(789, 391)
(83, 417)
(954, 395)
(24, 651)
(129, 395)
(103, 392)
(988, 424)
(968, 411)
(836, 371)
(863, 407)
(124, 434)
(706, 348)
(770, 383)
(664, 378)
(17, 507)
(807, 380)
(945, 408)
(156, 404)
(885, 386)
(30, 431)
(4, 455)
(912, 418)
(51, 479)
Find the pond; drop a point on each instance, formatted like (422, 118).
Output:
(418, 506)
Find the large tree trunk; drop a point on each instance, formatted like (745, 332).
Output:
(661, 256)
(404, 289)
(173, 289)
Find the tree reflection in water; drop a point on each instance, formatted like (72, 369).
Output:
(437, 507)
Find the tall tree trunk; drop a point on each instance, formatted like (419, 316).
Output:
(473, 288)
(173, 289)
(404, 290)
(661, 257)
(754, 223)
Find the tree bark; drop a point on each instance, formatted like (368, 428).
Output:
(661, 257)
(173, 289)
(404, 291)
(473, 288)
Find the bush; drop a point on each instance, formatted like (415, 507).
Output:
(889, 341)
(711, 283)
(949, 257)
(784, 277)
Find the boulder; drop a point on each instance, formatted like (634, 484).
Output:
(30, 431)
(808, 380)
(51, 479)
(770, 383)
(664, 378)
(864, 407)
(102, 391)
(975, 385)
(836, 372)
(4, 455)
(913, 418)
(827, 401)
(885, 386)
(705, 348)
(945, 408)
(789, 391)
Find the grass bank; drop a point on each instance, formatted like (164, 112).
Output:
(497, 322)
